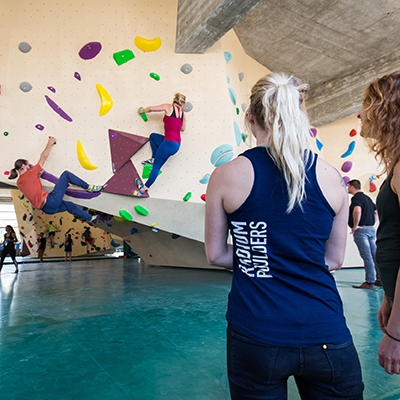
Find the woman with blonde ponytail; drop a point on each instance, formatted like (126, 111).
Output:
(287, 212)
(164, 146)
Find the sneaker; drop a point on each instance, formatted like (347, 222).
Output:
(140, 186)
(364, 285)
(149, 161)
(378, 283)
(94, 219)
(94, 189)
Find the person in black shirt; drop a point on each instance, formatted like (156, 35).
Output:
(42, 246)
(362, 217)
(68, 247)
(10, 238)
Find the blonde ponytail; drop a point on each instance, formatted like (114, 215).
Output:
(276, 106)
(179, 99)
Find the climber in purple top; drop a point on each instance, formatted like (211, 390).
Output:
(164, 146)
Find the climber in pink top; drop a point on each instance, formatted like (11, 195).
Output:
(163, 147)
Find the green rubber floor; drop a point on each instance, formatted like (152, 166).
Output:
(118, 329)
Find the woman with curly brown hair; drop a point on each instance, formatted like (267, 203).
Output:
(380, 125)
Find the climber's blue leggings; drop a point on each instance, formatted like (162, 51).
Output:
(161, 151)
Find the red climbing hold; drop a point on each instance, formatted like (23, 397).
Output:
(372, 187)
(203, 197)
(353, 132)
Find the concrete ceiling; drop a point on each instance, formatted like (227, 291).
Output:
(337, 46)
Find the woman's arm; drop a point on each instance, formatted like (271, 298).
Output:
(216, 223)
(167, 108)
(46, 152)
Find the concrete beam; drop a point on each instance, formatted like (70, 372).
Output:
(342, 96)
(201, 23)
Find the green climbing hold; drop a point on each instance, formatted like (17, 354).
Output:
(244, 137)
(83, 243)
(97, 248)
(5, 133)
(141, 210)
(237, 111)
(155, 76)
(125, 215)
(74, 220)
(187, 196)
(121, 57)
(146, 171)
(144, 116)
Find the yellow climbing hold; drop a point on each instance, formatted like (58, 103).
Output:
(106, 100)
(119, 218)
(83, 158)
(146, 44)
(153, 224)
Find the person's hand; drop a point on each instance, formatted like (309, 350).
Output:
(389, 355)
(140, 110)
(52, 140)
(384, 314)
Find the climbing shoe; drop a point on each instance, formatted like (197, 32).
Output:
(140, 186)
(94, 189)
(149, 161)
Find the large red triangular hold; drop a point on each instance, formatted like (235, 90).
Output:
(24, 251)
(123, 146)
(124, 182)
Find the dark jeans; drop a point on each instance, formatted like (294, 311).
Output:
(54, 201)
(259, 371)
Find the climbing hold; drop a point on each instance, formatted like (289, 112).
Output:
(319, 145)
(113, 136)
(30, 218)
(24, 47)
(203, 197)
(133, 231)
(313, 132)
(51, 89)
(5, 133)
(22, 227)
(144, 116)
(187, 196)
(146, 171)
(238, 134)
(205, 179)
(186, 68)
(119, 219)
(83, 158)
(346, 167)
(135, 193)
(372, 187)
(22, 197)
(6, 172)
(106, 100)
(175, 236)
(241, 76)
(77, 76)
(237, 111)
(228, 56)
(228, 79)
(141, 210)
(353, 132)
(352, 145)
(25, 87)
(40, 127)
(244, 137)
(146, 44)
(154, 230)
(121, 57)
(24, 217)
(23, 205)
(219, 151)
(224, 159)
(153, 224)
(244, 106)
(90, 50)
(188, 107)
(232, 95)
(125, 215)
(57, 109)
(155, 76)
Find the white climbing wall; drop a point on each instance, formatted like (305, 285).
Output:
(56, 32)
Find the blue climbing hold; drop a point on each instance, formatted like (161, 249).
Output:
(205, 179)
(238, 134)
(133, 231)
(219, 151)
(228, 56)
(224, 159)
(114, 243)
(319, 145)
(232, 95)
(228, 79)
(352, 145)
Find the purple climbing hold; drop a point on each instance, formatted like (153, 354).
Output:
(313, 132)
(40, 127)
(346, 180)
(113, 136)
(77, 76)
(90, 50)
(51, 89)
(346, 167)
(58, 110)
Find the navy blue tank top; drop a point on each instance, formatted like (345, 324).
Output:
(282, 291)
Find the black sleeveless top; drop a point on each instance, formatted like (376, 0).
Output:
(388, 236)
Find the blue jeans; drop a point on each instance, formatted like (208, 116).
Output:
(365, 238)
(54, 201)
(161, 150)
(258, 371)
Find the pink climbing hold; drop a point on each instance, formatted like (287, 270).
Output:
(6, 172)
(346, 167)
